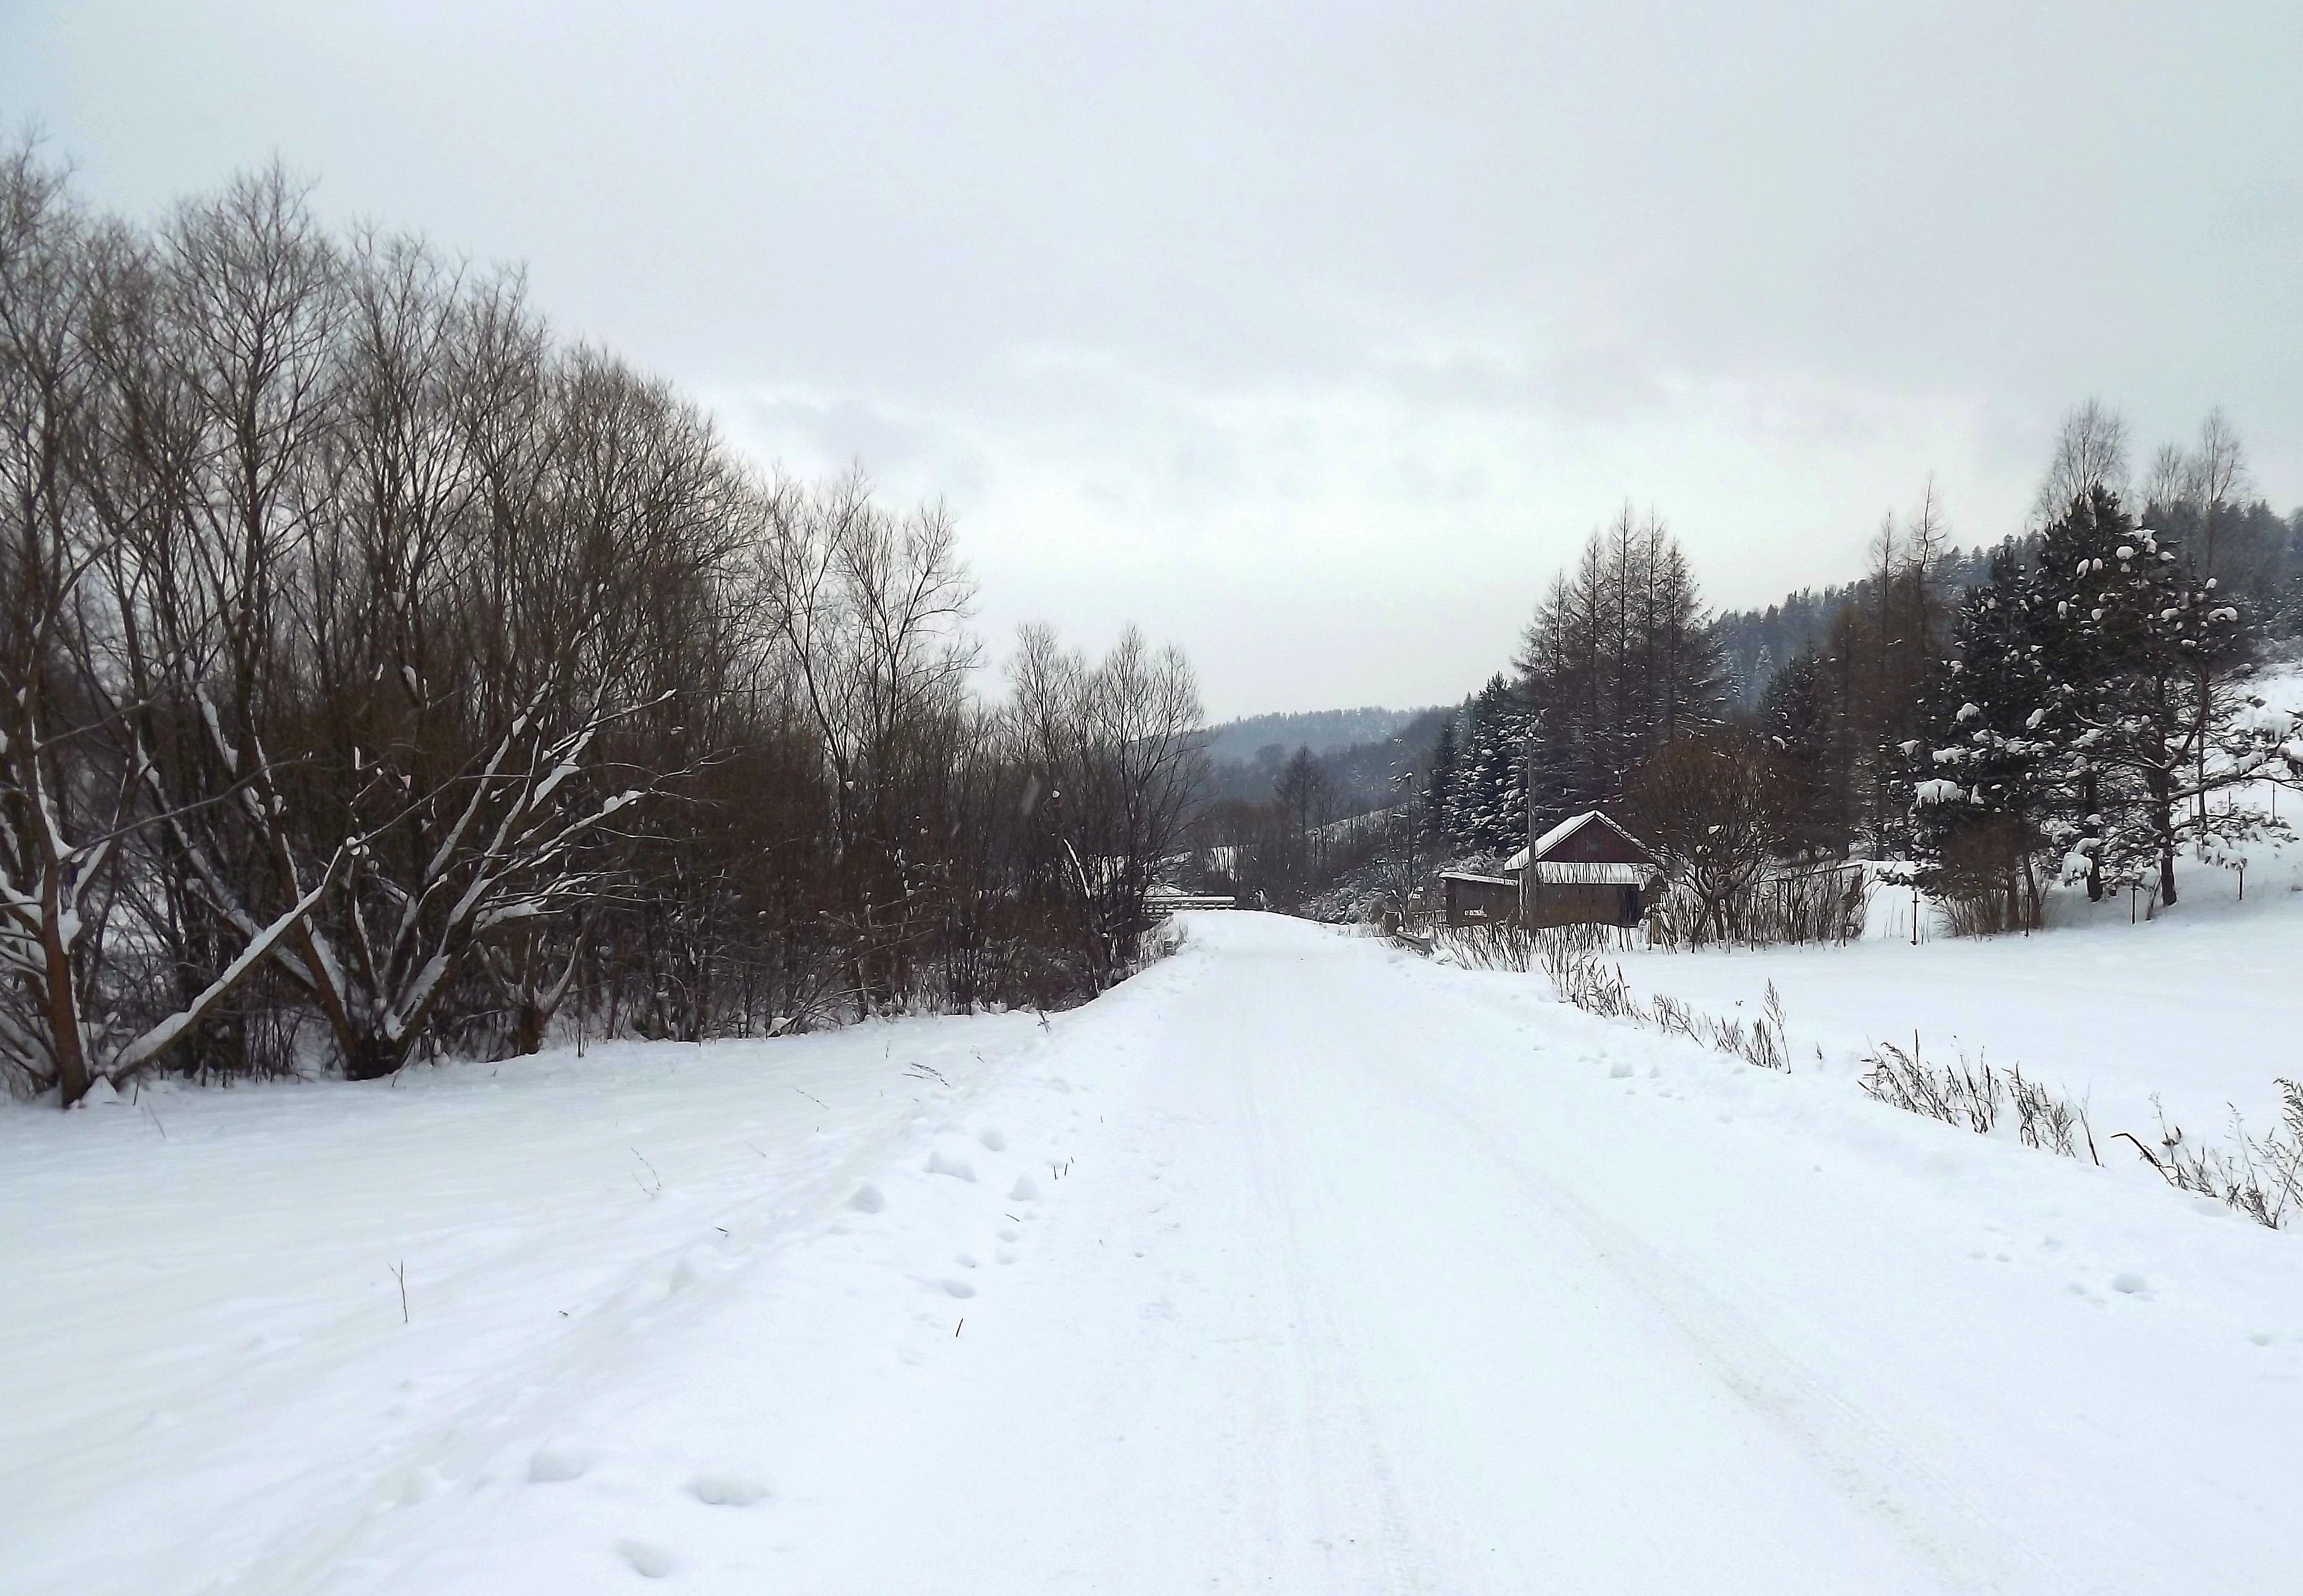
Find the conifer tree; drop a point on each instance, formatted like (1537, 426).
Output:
(2144, 651)
(1795, 722)
(1488, 810)
(1990, 766)
(1439, 789)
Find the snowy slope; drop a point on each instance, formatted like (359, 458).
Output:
(1294, 1263)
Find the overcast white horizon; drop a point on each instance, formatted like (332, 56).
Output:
(1313, 339)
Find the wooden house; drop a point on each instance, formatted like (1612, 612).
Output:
(1585, 870)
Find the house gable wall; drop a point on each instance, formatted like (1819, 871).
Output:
(1595, 842)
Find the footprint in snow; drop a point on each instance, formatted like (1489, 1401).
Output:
(868, 1199)
(959, 1288)
(959, 1169)
(2129, 1283)
(1024, 1190)
(991, 1140)
(726, 1490)
(552, 1465)
(647, 1560)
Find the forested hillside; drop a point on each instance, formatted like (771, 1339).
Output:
(1323, 731)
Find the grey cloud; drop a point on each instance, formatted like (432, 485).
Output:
(1365, 300)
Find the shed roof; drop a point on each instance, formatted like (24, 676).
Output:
(1476, 876)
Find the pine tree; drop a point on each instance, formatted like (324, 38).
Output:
(1795, 722)
(1620, 658)
(2065, 617)
(1438, 785)
(1488, 807)
(2144, 649)
(1989, 763)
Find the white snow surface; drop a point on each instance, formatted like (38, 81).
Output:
(1294, 1264)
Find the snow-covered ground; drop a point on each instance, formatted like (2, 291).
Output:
(1294, 1264)
(2197, 1006)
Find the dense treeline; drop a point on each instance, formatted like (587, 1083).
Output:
(2254, 553)
(1756, 644)
(379, 674)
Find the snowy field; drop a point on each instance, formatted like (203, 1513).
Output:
(1294, 1264)
(2197, 1006)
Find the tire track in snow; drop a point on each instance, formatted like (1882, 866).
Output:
(1324, 1365)
(1960, 1540)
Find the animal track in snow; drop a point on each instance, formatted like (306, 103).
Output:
(552, 1465)
(959, 1288)
(868, 1199)
(726, 1490)
(1024, 1190)
(991, 1140)
(959, 1169)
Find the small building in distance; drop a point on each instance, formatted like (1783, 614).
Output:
(1587, 870)
(1474, 898)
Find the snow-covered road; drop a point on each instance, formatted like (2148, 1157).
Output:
(1299, 1264)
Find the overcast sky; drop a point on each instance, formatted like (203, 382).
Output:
(1314, 338)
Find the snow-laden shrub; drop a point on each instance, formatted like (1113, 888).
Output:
(1785, 904)
(1570, 955)
(2261, 1177)
(1980, 1097)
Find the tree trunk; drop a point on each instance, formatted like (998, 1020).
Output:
(527, 1023)
(2091, 829)
(73, 1076)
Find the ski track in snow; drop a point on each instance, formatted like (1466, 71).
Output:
(1294, 1264)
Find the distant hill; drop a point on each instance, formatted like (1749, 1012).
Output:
(1323, 731)
(1362, 752)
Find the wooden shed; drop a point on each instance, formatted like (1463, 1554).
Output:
(1585, 870)
(1472, 898)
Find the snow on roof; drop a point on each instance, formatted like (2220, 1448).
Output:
(1567, 828)
(1476, 876)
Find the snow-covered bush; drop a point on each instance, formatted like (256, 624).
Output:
(1571, 957)
(2261, 1177)
(1979, 1096)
